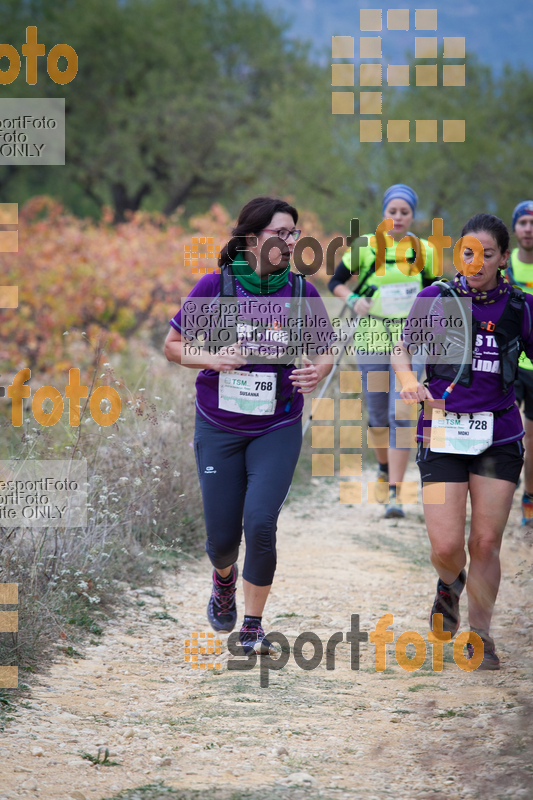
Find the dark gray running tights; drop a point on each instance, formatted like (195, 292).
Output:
(244, 482)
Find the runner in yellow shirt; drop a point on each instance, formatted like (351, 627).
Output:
(381, 320)
(520, 273)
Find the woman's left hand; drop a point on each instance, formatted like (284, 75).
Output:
(307, 377)
(415, 393)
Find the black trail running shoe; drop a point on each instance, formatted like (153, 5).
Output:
(253, 640)
(490, 659)
(447, 603)
(222, 608)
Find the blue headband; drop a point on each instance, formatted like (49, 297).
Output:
(400, 191)
(526, 207)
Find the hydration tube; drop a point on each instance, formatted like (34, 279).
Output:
(450, 288)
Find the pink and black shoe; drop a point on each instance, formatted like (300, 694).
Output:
(253, 640)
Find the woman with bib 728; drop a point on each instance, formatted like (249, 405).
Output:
(480, 452)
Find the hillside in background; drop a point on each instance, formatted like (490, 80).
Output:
(498, 33)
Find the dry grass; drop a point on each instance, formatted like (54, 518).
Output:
(144, 507)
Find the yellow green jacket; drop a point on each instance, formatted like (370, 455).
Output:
(521, 275)
(394, 295)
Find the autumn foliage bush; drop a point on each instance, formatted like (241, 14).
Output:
(82, 275)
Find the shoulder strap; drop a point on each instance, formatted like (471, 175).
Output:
(372, 267)
(517, 304)
(299, 290)
(227, 282)
(445, 291)
(517, 298)
(362, 280)
(298, 293)
(508, 333)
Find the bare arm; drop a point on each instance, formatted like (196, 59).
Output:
(361, 306)
(225, 360)
(338, 287)
(341, 290)
(306, 378)
(310, 375)
(412, 390)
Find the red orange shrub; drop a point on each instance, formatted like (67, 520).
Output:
(82, 275)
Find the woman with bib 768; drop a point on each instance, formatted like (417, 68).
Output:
(248, 423)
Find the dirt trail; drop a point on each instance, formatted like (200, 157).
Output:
(337, 733)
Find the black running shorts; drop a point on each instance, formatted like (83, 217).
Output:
(523, 389)
(503, 461)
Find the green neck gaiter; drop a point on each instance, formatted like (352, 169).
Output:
(253, 283)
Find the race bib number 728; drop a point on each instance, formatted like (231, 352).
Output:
(468, 434)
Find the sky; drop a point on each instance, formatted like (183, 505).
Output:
(496, 32)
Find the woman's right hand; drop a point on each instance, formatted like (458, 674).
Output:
(362, 306)
(415, 394)
(227, 359)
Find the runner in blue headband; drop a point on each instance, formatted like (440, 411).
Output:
(400, 191)
(381, 321)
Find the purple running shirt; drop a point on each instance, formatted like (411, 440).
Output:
(318, 334)
(486, 392)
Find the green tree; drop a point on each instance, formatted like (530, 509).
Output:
(175, 102)
(181, 103)
(489, 172)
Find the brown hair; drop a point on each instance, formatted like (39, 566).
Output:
(253, 218)
(489, 224)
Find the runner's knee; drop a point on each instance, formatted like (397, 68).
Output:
(446, 552)
(222, 554)
(484, 549)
